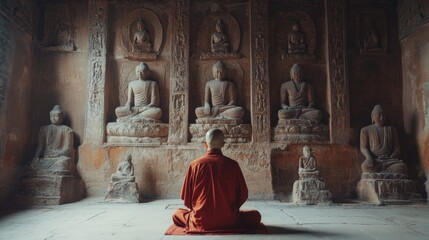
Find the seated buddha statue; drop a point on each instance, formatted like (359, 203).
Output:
(380, 146)
(141, 40)
(125, 171)
(307, 163)
(296, 41)
(297, 98)
(219, 97)
(219, 40)
(142, 100)
(54, 154)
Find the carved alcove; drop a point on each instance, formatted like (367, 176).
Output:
(371, 29)
(236, 27)
(60, 30)
(230, 28)
(307, 33)
(153, 28)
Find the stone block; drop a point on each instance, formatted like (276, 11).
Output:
(310, 191)
(300, 130)
(233, 133)
(126, 132)
(50, 190)
(387, 189)
(123, 192)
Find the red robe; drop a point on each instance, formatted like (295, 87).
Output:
(214, 190)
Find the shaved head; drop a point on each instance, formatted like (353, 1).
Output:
(215, 138)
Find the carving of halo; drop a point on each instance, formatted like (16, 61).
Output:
(231, 28)
(152, 24)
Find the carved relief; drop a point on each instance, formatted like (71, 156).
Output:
(180, 73)
(234, 133)
(372, 31)
(142, 35)
(297, 38)
(60, 27)
(97, 11)
(23, 14)
(260, 101)
(411, 15)
(5, 44)
(219, 36)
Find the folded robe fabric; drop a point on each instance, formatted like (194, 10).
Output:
(176, 230)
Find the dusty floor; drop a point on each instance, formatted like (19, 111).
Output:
(95, 219)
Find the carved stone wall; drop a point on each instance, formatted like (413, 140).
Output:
(415, 56)
(17, 21)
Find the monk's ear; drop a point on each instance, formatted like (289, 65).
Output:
(206, 145)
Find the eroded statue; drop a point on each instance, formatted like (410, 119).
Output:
(141, 41)
(125, 171)
(297, 98)
(380, 146)
(220, 97)
(219, 40)
(143, 99)
(296, 40)
(54, 154)
(307, 163)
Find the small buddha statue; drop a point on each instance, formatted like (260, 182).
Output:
(371, 40)
(220, 97)
(380, 146)
(54, 154)
(219, 40)
(297, 98)
(125, 171)
(307, 163)
(143, 99)
(296, 40)
(141, 40)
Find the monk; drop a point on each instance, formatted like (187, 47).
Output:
(214, 190)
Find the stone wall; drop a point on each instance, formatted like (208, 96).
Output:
(88, 75)
(17, 38)
(414, 27)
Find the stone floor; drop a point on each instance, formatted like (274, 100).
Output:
(95, 219)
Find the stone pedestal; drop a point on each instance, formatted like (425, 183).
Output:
(128, 132)
(387, 188)
(123, 192)
(50, 189)
(234, 131)
(309, 189)
(300, 130)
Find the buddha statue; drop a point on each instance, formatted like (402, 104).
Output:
(141, 40)
(219, 97)
(307, 163)
(143, 99)
(54, 154)
(296, 41)
(297, 98)
(219, 40)
(125, 171)
(380, 146)
(371, 40)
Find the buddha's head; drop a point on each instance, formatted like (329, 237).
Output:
(56, 115)
(140, 24)
(295, 73)
(142, 71)
(377, 115)
(219, 70)
(214, 139)
(295, 27)
(306, 150)
(128, 158)
(219, 26)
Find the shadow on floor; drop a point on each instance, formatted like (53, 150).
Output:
(276, 230)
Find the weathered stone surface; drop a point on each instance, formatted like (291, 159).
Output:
(300, 130)
(50, 189)
(388, 189)
(123, 192)
(310, 191)
(233, 133)
(126, 132)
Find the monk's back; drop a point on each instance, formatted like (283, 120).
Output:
(218, 184)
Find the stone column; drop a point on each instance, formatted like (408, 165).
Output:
(339, 123)
(260, 100)
(178, 130)
(95, 107)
